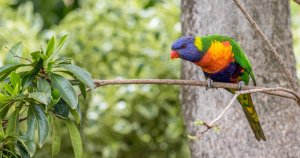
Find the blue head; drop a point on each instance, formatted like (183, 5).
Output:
(185, 48)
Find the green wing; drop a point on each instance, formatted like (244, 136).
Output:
(239, 54)
(241, 58)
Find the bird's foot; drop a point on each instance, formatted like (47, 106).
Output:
(209, 84)
(241, 84)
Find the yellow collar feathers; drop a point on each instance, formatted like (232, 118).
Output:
(198, 43)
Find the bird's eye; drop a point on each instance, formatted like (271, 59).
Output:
(183, 46)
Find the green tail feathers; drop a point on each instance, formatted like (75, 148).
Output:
(246, 101)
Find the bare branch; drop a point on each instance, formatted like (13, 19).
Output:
(282, 92)
(223, 112)
(212, 124)
(288, 74)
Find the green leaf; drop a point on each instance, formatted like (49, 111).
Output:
(44, 94)
(55, 97)
(44, 57)
(65, 89)
(35, 56)
(4, 109)
(4, 70)
(56, 137)
(31, 125)
(50, 56)
(31, 147)
(50, 46)
(55, 94)
(16, 89)
(30, 134)
(194, 138)
(12, 154)
(15, 79)
(42, 122)
(16, 50)
(75, 138)
(60, 44)
(8, 88)
(4, 99)
(76, 114)
(12, 127)
(3, 77)
(27, 79)
(61, 109)
(25, 146)
(43, 86)
(198, 123)
(82, 75)
(2, 134)
(41, 97)
(49, 66)
(82, 90)
(23, 150)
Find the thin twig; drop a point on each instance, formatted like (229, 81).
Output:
(199, 134)
(212, 124)
(223, 112)
(288, 74)
(16, 56)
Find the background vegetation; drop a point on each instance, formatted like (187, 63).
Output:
(114, 39)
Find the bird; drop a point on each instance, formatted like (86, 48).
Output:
(221, 59)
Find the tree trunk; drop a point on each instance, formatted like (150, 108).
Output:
(280, 117)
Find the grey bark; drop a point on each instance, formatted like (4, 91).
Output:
(280, 118)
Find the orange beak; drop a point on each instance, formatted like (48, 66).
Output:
(174, 54)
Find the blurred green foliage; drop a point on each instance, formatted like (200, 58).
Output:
(56, 9)
(114, 39)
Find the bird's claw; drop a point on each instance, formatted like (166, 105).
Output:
(209, 84)
(241, 84)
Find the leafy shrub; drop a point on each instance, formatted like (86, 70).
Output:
(38, 95)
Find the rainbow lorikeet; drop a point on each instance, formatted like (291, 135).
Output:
(221, 59)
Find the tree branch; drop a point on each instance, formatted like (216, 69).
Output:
(297, 1)
(288, 74)
(278, 91)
